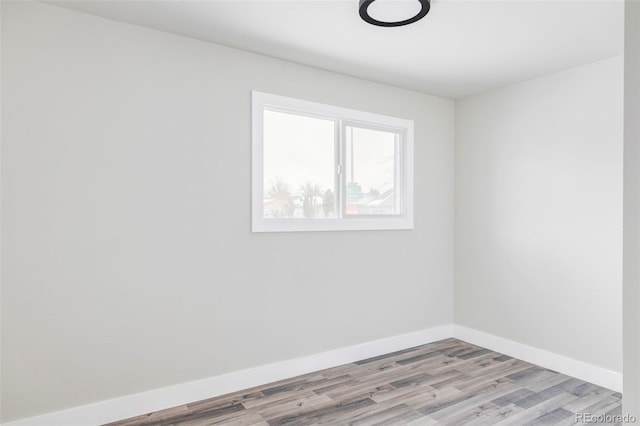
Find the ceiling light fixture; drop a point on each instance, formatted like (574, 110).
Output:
(393, 13)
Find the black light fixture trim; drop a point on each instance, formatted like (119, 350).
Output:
(364, 5)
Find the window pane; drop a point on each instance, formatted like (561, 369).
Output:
(299, 157)
(370, 172)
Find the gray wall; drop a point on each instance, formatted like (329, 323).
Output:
(539, 213)
(128, 262)
(631, 400)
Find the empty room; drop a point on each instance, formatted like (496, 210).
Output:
(301, 212)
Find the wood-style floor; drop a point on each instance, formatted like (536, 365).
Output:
(443, 383)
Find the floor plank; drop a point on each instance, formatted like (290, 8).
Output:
(449, 382)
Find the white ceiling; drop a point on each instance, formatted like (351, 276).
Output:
(460, 48)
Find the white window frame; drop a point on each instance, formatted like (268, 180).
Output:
(404, 173)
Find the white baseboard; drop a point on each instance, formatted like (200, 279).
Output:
(562, 364)
(154, 400)
(146, 402)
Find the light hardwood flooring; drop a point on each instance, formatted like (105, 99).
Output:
(449, 382)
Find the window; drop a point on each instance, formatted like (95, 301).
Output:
(318, 167)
